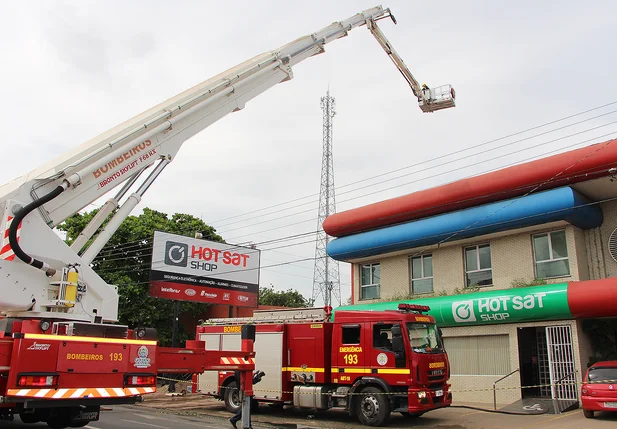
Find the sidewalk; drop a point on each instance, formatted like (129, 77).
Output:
(448, 418)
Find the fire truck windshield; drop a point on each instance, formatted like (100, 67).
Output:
(424, 338)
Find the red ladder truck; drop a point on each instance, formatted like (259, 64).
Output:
(62, 353)
(369, 363)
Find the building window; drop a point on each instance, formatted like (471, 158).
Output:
(551, 255)
(422, 274)
(369, 281)
(478, 265)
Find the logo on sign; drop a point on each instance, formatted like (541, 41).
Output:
(463, 311)
(39, 346)
(176, 254)
(170, 289)
(190, 292)
(226, 296)
(142, 360)
(243, 298)
(208, 295)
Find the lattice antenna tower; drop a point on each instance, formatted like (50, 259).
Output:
(326, 280)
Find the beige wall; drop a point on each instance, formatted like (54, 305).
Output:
(511, 259)
(478, 388)
(602, 261)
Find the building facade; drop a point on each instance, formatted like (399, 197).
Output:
(514, 264)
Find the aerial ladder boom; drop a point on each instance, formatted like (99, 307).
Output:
(31, 206)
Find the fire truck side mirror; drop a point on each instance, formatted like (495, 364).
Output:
(397, 339)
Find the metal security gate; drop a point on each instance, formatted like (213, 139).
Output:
(561, 363)
(544, 373)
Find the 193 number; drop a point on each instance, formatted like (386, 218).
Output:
(116, 357)
(351, 359)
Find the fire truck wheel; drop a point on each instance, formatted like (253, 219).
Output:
(232, 397)
(372, 407)
(58, 423)
(30, 417)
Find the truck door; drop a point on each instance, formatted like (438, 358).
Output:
(350, 352)
(382, 354)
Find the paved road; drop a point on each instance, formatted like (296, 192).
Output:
(130, 417)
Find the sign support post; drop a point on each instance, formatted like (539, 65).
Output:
(174, 338)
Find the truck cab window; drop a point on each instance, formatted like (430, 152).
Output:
(424, 338)
(351, 334)
(382, 336)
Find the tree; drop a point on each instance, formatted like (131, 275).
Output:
(125, 261)
(289, 298)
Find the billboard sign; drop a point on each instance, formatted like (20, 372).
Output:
(191, 269)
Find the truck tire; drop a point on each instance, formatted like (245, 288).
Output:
(58, 423)
(30, 418)
(232, 397)
(588, 414)
(372, 406)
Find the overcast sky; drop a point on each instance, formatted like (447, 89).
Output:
(72, 70)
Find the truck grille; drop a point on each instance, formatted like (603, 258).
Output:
(436, 374)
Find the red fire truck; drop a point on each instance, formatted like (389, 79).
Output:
(369, 363)
(62, 354)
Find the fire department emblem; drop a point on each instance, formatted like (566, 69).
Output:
(610, 386)
(382, 359)
(142, 360)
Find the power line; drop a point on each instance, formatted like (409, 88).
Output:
(386, 173)
(436, 158)
(447, 172)
(120, 247)
(431, 168)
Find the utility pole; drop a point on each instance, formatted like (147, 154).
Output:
(326, 280)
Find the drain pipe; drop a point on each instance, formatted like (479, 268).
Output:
(126, 209)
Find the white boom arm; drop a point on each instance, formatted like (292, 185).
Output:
(33, 204)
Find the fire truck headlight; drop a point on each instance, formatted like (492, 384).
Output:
(421, 395)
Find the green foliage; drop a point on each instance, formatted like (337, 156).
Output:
(465, 290)
(516, 283)
(125, 261)
(289, 298)
(410, 296)
(603, 336)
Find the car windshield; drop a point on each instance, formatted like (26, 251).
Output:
(603, 375)
(424, 338)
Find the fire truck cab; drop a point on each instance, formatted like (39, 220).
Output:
(369, 363)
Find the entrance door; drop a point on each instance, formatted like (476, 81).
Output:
(561, 362)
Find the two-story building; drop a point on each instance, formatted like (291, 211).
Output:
(517, 265)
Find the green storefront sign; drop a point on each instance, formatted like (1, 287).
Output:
(548, 302)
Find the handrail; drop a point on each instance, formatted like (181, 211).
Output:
(566, 376)
(495, 384)
(558, 382)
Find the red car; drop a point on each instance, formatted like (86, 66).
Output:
(599, 392)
